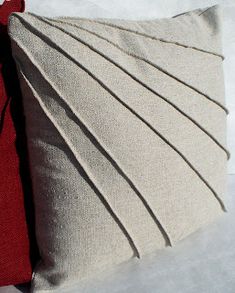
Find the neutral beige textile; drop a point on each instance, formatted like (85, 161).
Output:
(126, 132)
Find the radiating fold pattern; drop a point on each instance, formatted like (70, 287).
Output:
(130, 108)
(134, 77)
(128, 150)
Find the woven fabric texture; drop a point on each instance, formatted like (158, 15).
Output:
(126, 132)
(15, 264)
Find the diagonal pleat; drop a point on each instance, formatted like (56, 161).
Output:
(59, 49)
(152, 37)
(135, 78)
(159, 39)
(90, 177)
(104, 151)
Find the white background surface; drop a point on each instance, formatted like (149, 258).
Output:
(154, 9)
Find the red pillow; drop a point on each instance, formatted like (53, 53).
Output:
(15, 264)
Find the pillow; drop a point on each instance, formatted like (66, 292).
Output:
(15, 264)
(126, 133)
(154, 9)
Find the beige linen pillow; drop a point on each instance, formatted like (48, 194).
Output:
(126, 132)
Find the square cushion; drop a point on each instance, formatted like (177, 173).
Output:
(126, 128)
(15, 264)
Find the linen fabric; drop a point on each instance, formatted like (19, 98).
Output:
(126, 132)
(15, 264)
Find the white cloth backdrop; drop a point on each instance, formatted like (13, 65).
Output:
(140, 9)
